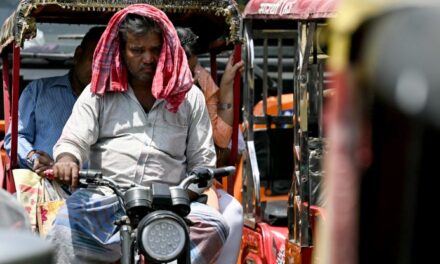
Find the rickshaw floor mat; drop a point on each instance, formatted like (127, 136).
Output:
(275, 212)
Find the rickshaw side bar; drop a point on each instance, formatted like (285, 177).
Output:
(15, 95)
(320, 98)
(234, 138)
(265, 69)
(249, 81)
(6, 94)
(303, 234)
(280, 76)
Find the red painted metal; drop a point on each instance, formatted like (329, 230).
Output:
(14, 111)
(252, 246)
(290, 9)
(6, 94)
(265, 244)
(235, 128)
(5, 173)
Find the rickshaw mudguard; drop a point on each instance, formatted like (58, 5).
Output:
(264, 244)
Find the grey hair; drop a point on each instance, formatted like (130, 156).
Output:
(188, 40)
(137, 25)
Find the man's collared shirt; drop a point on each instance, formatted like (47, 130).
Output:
(127, 144)
(44, 107)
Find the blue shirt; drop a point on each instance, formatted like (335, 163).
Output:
(44, 107)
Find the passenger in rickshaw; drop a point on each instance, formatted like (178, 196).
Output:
(46, 104)
(140, 120)
(219, 104)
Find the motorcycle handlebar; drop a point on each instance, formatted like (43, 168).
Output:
(90, 174)
(199, 174)
(225, 171)
(84, 174)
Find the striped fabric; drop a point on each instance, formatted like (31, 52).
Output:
(84, 232)
(172, 79)
(44, 107)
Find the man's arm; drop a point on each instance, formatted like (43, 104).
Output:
(200, 151)
(80, 132)
(26, 124)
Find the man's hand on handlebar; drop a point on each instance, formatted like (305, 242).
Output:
(65, 169)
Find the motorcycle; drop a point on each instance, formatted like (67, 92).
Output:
(154, 227)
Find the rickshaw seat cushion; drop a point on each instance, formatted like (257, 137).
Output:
(275, 212)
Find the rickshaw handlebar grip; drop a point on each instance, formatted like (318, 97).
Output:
(225, 171)
(84, 174)
(90, 174)
(48, 174)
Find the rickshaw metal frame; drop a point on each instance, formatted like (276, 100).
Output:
(21, 25)
(308, 79)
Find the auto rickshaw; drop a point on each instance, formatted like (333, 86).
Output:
(284, 130)
(382, 176)
(217, 23)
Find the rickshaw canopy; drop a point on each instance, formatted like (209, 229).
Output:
(206, 18)
(290, 9)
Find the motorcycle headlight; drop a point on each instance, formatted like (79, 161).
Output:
(162, 236)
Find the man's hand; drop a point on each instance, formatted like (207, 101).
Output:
(226, 95)
(65, 169)
(41, 163)
(229, 74)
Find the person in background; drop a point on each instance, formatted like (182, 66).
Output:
(221, 116)
(141, 120)
(219, 100)
(46, 104)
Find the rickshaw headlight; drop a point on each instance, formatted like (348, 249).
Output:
(162, 236)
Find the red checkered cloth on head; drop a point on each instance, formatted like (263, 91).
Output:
(172, 79)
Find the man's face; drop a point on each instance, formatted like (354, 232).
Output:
(141, 55)
(83, 62)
